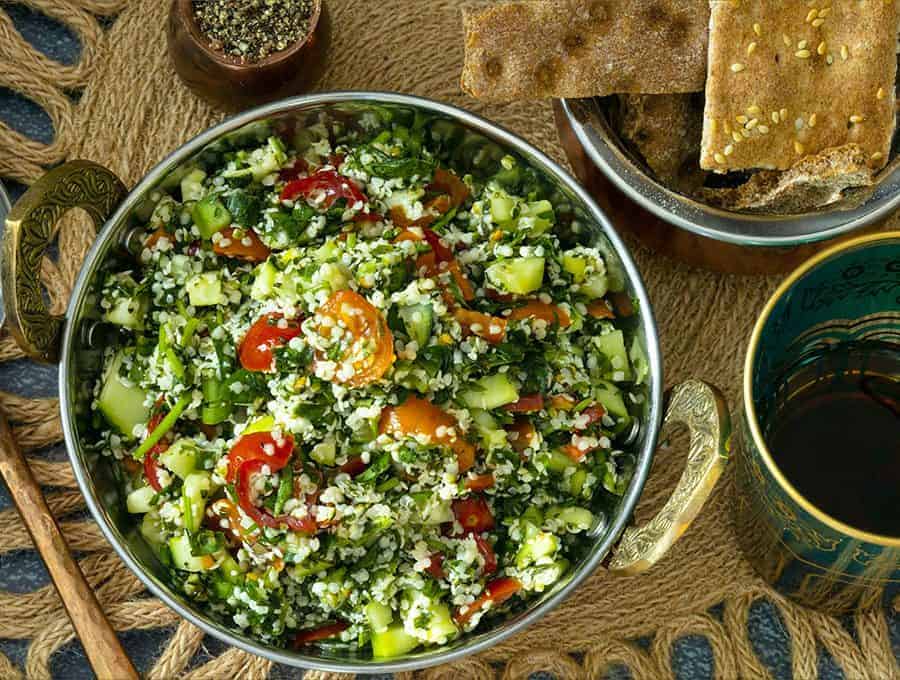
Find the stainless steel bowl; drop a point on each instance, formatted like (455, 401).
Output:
(709, 236)
(82, 340)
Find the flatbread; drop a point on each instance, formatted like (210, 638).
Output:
(665, 130)
(787, 79)
(585, 48)
(836, 175)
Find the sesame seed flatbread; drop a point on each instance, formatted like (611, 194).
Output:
(585, 48)
(787, 79)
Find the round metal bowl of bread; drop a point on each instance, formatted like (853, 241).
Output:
(644, 150)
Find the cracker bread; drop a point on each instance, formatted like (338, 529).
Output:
(585, 48)
(665, 129)
(790, 78)
(813, 183)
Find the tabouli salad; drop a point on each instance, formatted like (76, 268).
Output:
(362, 396)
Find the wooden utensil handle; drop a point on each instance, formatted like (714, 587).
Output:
(104, 651)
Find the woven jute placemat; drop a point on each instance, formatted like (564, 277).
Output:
(133, 110)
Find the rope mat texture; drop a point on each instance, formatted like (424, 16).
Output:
(133, 110)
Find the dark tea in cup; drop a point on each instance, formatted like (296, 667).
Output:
(835, 433)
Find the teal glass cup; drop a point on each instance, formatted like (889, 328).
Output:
(845, 297)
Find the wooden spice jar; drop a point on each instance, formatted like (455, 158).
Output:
(232, 83)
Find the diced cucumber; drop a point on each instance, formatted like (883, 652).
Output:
(441, 626)
(572, 517)
(138, 501)
(638, 360)
(394, 641)
(194, 493)
(264, 282)
(536, 218)
(438, 625)
(611, 399)
(432, 510)
(519, 275)
(230, 569)
(502, 207)
(263, 424)
(335, 275)
(540, 544)
(205, 290)
(576, 266)
(334, 597)
(268, 159)
(324, 452)
(311, 567)
(380, 616)
(180, 457)
(121, 404)
(557, 461)
(184, 559)
(418, 321)
(490, 392)
(492, 435)
(595, 286)
(192, 185)
(612, 346)
(210, 215)
(152, 528)
(128, 312)
(576, 482)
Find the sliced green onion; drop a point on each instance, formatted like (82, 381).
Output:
(163, 428)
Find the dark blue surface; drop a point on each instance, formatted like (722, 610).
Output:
(23, 572)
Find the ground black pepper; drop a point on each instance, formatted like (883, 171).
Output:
(252, 29)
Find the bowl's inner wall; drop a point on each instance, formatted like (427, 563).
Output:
(88, 337)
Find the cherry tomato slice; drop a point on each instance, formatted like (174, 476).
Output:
(371, 350)
(428, 266)
(448, 183)
(497, 591)
(576, 453)
(594, 414)
(241, 244)
(599, 309)
(527, 404)
(304, 637)
(535, 309)
(268, 332)
(151, 466)
(521, 433)
(260, 446)
(487, 552)
(473, 513)
(244, 488)
(294, 170)
(417, 416)
(441, 252)
(480, 482)
(224, 509)
(491, 328)
(436, 566)
(329, 182)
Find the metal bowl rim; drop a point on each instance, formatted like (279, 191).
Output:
(608, 160)
(479, 642)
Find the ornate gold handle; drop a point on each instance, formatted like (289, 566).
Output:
(29, 228)
(703, 409)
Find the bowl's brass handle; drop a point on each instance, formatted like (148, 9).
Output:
(703, 409)
(29, 228)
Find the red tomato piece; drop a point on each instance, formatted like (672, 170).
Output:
(448, 183)
(441, 252)
(552, 314)
(563, 402)
(491, 328)
(622, 304)
(155, 237)
(473, 513)
(268, 332)
(260, 446)
(497, 591)
(151, 466)
(527, 404)
(487, 552)
(576, 453)
(480, 482)
(244, 488)
(354, 466)
(599, 309)
(304, 637)
(294, 170)
(436, 566)
(241, 244)
(594, 414)
(417, 416)
(329, 182)
(522, 434)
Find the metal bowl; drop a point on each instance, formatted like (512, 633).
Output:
(695, 231)
(82, 339)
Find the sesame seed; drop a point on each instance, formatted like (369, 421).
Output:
(757, 29)
(818, 22)
(719, 158)
(736, 136)
(741, 119)
(763, 129)
(752, 123)
(877, 156)
(813, 13)
(798, 147)
(799, 123)
(845, 52)
(751, 48)
(880, 93)
(775, 116)
(812, 120)
(729, 149)
(754, 110)
(802, 54)
(802, 45)
(856, 118)
(787, 40)
(745, 133)
(824, 12)
(737, 67)
(829, 59)
(822, 48)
